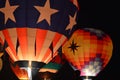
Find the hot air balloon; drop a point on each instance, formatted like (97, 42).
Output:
(88, 50)
(54, 65)
(32, 31)
(51, 69)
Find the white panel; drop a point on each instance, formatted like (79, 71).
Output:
(48, 40)
(31, 36)
(13, 36)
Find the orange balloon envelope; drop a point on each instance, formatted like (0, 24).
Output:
(29, 44)
(32, 30)
(88, 50)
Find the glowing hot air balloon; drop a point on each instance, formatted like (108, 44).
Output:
(54, 65)
(32, 31)
(88, 50)
(50, 69)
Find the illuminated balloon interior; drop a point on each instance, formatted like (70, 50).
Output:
(88, 50)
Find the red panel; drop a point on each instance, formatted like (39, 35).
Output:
(22, 37)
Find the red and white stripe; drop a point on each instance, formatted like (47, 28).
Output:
(33, 43)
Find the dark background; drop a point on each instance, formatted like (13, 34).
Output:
(103, 15)
(100, 14)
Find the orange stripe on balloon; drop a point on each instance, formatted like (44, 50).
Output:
(58, 42)
(8, 39)
(40, 37)
(56, 39)
(46, 44)
(47, 54)
(10, 53)
(22, 37)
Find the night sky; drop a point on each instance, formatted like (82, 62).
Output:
(100, 14)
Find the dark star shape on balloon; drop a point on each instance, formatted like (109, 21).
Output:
(73, 46)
